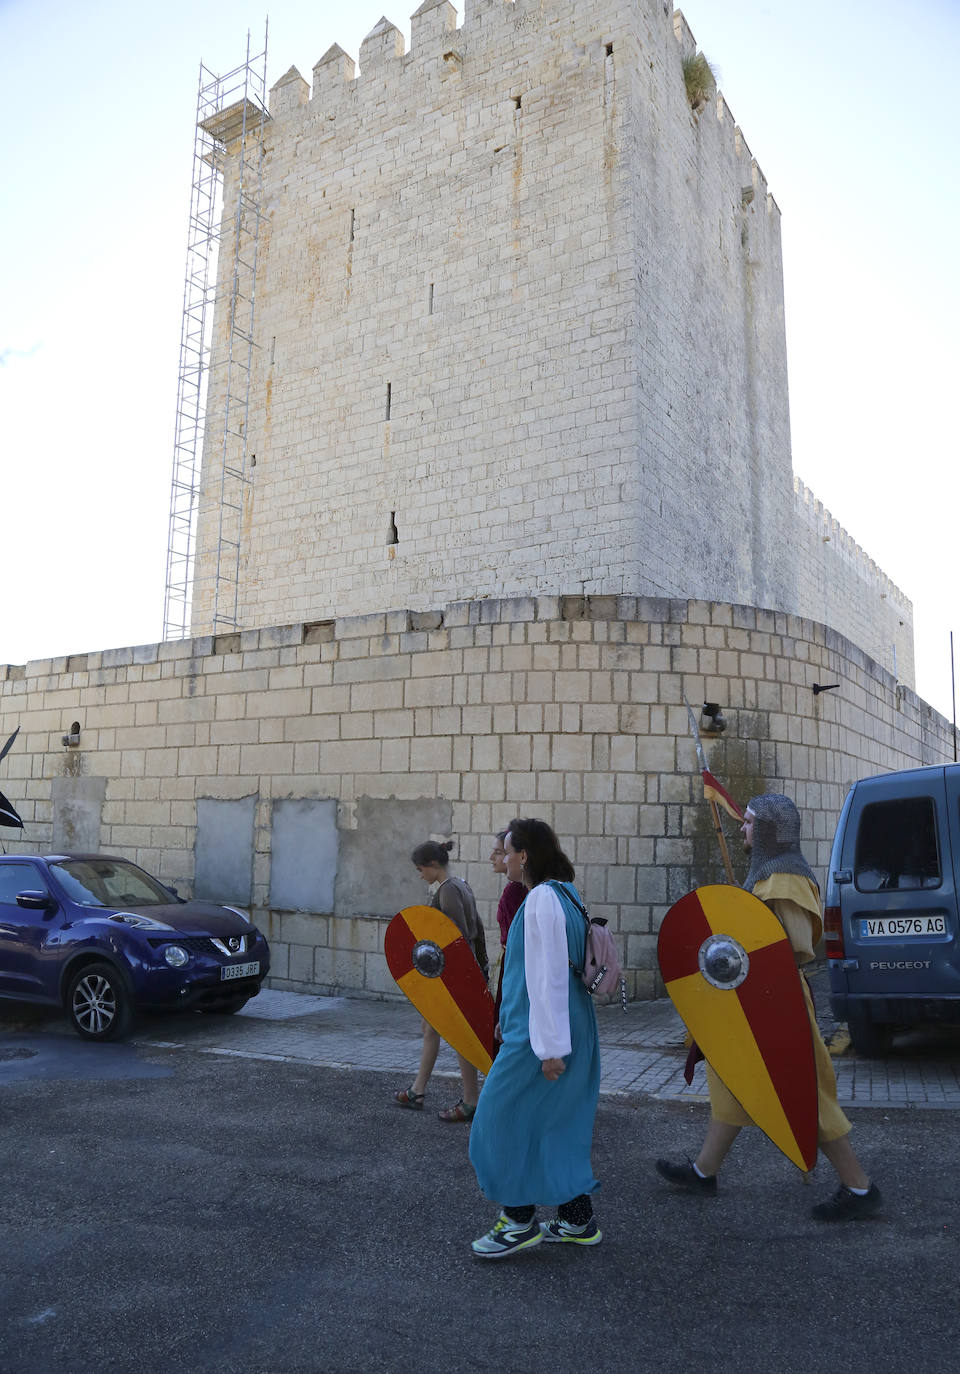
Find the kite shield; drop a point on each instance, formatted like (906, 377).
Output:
(434, 966)
(730, 972)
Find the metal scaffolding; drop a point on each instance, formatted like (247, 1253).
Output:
(219, 287)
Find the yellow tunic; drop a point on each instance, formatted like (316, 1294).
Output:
(795, 902)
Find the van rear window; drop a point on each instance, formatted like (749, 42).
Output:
(897, 846)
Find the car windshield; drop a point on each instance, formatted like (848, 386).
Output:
(109, 883)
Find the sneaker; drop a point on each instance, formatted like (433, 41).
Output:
(685, 1176)
(589, 1234)
(506, 1238)
(848, 1206)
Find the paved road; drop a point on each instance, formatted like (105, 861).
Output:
(212, 1204)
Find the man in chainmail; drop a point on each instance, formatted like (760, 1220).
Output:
(780, 876)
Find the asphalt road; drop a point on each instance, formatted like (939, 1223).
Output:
(165, 1210)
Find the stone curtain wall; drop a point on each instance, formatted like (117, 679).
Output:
(388, 729)
(841, 585)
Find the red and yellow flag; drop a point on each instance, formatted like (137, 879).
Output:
(713, 791)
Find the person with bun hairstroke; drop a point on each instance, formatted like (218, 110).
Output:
(455, 899)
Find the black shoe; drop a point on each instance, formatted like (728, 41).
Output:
(848, 1206)
(685, 1176)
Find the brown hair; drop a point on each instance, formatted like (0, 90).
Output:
(545, 858)
(432, 852)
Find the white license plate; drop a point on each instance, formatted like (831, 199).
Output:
(240, 970)
(897, 927)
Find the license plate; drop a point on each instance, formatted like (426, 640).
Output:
(897, 927)
(240, 970)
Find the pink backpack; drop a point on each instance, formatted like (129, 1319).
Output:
(602, 972)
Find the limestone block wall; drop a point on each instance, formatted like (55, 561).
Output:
(520, 327)
(842, 586)
(295, 767)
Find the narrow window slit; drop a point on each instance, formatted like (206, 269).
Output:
(353, 223)
(608, 49)
(430, 299)
(517, 102)
(389, 398)
(392, 536)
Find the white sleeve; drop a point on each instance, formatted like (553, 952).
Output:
(546, 967)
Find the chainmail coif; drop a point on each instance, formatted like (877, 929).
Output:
(776, 840)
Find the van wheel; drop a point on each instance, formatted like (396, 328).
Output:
(871, 1039)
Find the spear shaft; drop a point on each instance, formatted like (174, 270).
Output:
(714, 809)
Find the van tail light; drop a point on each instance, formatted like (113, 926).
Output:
(833, 932)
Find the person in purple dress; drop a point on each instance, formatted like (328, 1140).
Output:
(509, 904)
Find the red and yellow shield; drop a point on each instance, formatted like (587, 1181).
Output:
(730, 972)
(434, 966)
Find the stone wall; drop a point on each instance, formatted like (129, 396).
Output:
(295, 768)
(519, 331)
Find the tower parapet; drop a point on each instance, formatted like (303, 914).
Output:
(291, 92)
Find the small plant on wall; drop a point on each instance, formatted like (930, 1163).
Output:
(700, 81)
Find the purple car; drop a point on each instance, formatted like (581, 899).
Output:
(99, 937)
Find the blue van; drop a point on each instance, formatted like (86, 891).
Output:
(891, 921)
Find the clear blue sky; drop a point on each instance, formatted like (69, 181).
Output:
(846, 107)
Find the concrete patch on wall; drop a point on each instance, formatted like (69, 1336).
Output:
(303, 847)
(376, 877)
(224, 849)
(77, 810)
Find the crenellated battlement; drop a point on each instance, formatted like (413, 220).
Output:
(829, 531)
(487, 36)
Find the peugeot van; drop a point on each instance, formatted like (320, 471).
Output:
(891, 921)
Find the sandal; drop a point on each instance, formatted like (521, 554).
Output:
(460, 1111)
(406, 1097)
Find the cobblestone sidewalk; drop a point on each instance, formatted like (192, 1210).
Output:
(642, 1049)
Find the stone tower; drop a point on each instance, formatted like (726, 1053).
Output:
(520, 330)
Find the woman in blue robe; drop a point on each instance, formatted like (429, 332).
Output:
(532, 1133)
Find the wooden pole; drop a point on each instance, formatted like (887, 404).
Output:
(722, 841)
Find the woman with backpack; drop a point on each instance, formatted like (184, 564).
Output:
(455, 899)
(532, 1133)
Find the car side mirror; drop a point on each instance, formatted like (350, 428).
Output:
(36, 901)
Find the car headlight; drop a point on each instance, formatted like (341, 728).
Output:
(138, 921)
(176, 956)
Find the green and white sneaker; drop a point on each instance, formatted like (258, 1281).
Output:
(506, 1238)
(590, 1234)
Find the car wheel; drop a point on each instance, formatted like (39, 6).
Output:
(870, 1038)
(228, 1006)
(100, 1003)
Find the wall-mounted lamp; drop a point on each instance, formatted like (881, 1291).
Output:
(711, 719)
(824, 687)
(74, 736)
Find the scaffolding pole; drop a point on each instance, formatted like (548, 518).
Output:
(219, 286)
